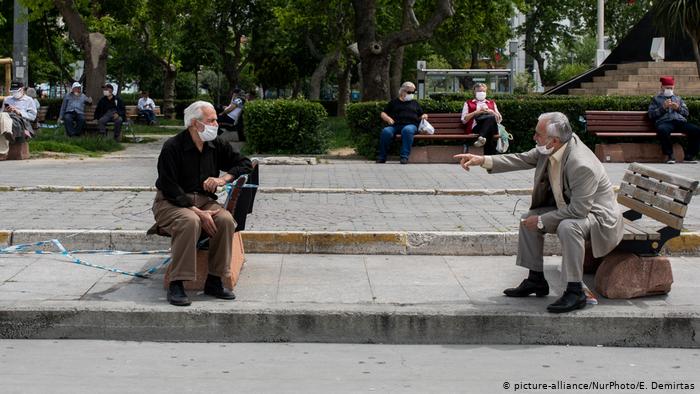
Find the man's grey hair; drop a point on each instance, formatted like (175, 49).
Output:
(194, 111)
(406, 86)
(557, 125)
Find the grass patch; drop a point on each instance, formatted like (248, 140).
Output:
(140, 129)
(340, 132)
(55, 140)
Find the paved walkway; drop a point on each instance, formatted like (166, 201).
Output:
(295, 293)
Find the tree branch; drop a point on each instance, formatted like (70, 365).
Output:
(444, 10)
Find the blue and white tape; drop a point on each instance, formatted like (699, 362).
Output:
(69, 255)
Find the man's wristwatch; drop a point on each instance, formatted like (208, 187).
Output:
(540, 225)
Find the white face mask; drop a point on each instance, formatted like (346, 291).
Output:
(668, 92)
(481, 96)
(210, 132)
(543, 150)
(106, 93)
(408, 97)
(17, 94)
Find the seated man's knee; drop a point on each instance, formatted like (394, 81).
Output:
(224, 218)
(409, 130)
(569, 228)
(388, 131)
(188, 221)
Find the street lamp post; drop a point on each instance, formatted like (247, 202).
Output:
(20, 42)
(601, 53)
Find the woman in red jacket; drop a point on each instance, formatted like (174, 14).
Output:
(482, 117)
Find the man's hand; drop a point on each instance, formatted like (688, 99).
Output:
(467, 160)
(115, 116)
(667, 103)
(530, 222)
(424, 116)
(675, 105)
(211, 184)
(207, 219)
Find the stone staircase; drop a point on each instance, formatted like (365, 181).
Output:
(642, 78)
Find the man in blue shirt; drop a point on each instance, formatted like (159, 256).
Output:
(670, 113)
(73, 110)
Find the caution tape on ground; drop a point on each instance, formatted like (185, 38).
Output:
(30, 248)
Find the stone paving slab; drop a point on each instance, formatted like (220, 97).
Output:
(284, 212)
(323, 298)
(137, 171)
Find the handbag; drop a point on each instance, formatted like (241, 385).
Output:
(504, 138)
(425, 127)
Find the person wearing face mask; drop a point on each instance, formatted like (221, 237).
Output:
(572, 197)
(21, 111)
(403, 114)
(482, 118)
(110, 109)
(670, 113)
(72, 112)
(190, 169)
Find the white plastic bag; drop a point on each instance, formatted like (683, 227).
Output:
(425, 127)
(503, 139)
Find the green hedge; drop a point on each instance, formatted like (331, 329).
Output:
(285, 126)
(519, 117)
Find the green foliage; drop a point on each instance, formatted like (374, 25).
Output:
(524, 83)
(519, 116)
(55, 140)
(285, 126)
(341, 135)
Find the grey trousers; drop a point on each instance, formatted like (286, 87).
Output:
(107, 118)
(185, 228)
(572, 234)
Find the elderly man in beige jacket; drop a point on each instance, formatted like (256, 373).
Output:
(572, 197)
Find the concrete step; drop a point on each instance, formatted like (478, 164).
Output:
(680, 79)
(646, 86)
(655, 65)
(477, 243)
(347, 299)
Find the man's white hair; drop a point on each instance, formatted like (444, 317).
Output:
(557, 125)
(406, 86)
(194, 111)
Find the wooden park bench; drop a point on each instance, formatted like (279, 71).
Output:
(132, 112)
(240, 203)
(448, 127)
(635, 268)
(40, 117)
(627, 125)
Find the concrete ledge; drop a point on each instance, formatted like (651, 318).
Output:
(331, 242)
(255, 322)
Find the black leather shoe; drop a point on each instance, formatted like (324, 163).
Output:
(569, 301)
(528, 287)
(381, 161)
(215, 288)
(177, 295)
(403, 160)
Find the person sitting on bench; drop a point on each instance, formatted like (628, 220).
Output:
(185, 204)
(572, 198)
(110, 108)
(147, 108)
(670, 113)
(482, 117)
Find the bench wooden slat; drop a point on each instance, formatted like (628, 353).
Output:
(655, 200)
(648, 234)
(627, 134)
(666, 189)
(654, 213)
(634, 233)
(681, 181)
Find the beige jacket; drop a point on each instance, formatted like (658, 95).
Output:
(586, 190)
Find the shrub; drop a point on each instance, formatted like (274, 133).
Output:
(285, 126)
(519, 117)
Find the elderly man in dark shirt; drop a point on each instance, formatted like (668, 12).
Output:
(189, 166)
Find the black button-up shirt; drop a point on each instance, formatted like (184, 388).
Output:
(182, 168)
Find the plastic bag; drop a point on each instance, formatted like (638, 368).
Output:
(425, 127)
(503, 139)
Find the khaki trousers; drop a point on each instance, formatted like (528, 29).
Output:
(572, 234)
(185, 228)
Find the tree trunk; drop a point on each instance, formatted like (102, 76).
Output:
(696, 51)
(320, 74)
(344, 76)
(93, 45)
(474, 57)
(169, 75)
(375, 53)
(396, 70)
(375, 83)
